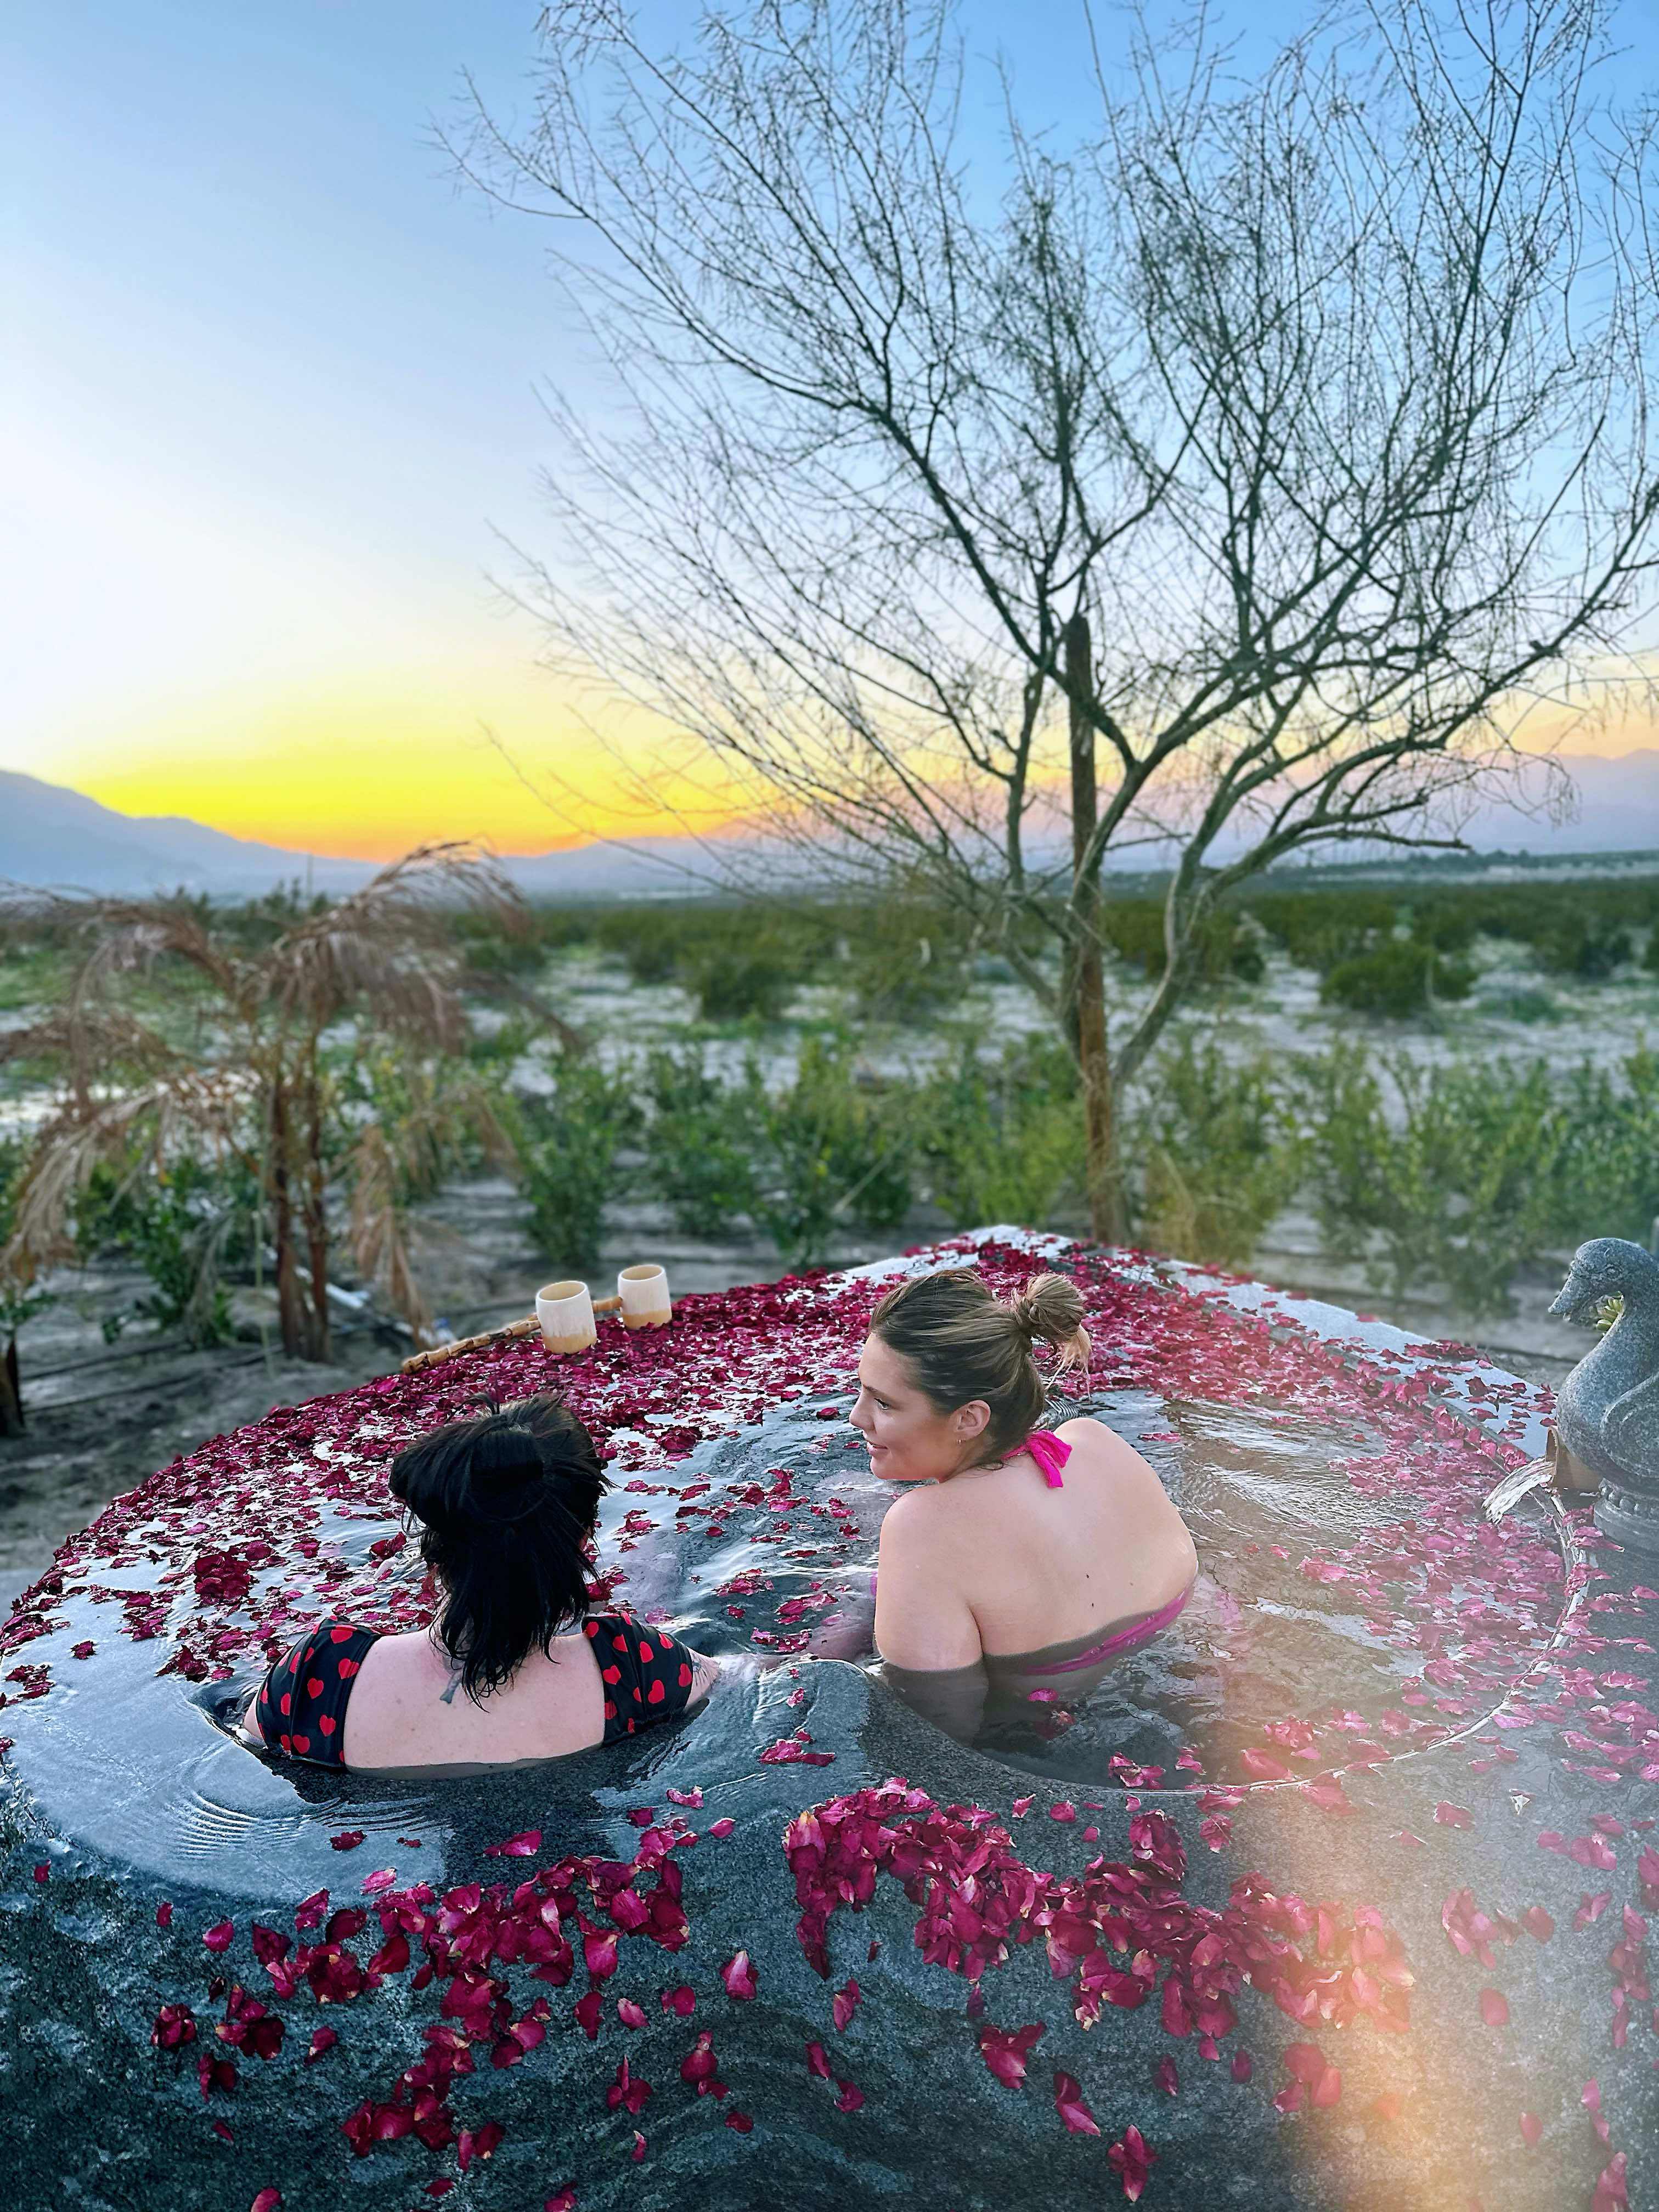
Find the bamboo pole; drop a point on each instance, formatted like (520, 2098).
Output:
(527, 1327)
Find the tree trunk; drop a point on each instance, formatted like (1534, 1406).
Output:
(316, 1211)
(1087, 995)
(292, 1317)
(11, 1396)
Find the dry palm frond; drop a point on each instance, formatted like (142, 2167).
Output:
(85, 1135)
(90, 1041)
(409, 1153)
(380, 1241)
(131, 937)
(389, 943)
(126, 935)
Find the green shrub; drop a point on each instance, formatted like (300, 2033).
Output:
(1400, 978)
(1321, 929)
(1213, 1152)
(1459, 1182)
(1586, 945)
(904, 961)
(1523, 1005)
(566, 1145)
(734, 983)
(1606, 1182)
(700, 1151)
(647, 937)
(1003, 1140)
(508, 1041)
(1226, 945)
(826, 1151)
(175, 1222)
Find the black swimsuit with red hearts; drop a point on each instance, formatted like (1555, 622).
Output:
(302, 1700)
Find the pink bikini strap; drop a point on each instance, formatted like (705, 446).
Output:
(1051, 1453)
(1140, 1631)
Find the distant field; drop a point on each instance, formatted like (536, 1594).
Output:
(1442, 1083)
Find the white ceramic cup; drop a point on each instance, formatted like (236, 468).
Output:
(565, 1311)
(644, 1294)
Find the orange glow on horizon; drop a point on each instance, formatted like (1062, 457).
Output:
(365, 770)
(367, 766)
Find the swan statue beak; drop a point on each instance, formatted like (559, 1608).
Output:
(1577, 1299)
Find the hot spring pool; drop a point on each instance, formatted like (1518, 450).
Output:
(1355, 1619)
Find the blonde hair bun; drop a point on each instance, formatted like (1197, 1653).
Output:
(1049, 1310)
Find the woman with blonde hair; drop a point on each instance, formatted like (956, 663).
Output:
(1018, 1565)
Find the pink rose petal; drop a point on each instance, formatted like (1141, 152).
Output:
(1130, 2160)
(1070, 2105)
(738, 1975)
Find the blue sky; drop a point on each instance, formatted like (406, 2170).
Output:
(276, 376)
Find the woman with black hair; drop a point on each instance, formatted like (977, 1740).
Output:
(507, 1503)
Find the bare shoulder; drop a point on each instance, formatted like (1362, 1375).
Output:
(910, 1508)
(1085, 1428)
(1104, 1444)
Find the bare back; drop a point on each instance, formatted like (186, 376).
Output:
(1038, 1566)
(408, 1711)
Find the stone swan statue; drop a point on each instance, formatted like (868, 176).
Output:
(1607, 1411)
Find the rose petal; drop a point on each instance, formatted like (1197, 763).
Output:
(1070, 2105)
(738, 1975)
(1130, 2160)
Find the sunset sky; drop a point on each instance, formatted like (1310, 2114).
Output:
(275, 410)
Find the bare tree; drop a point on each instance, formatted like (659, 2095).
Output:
(1236, 481)
(253, 1085)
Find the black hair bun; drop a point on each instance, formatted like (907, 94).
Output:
(507, 1500)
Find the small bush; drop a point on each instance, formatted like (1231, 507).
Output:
(1003, 1140)
(1607, 1180)
(734, 984)
(700, 1151)
(1227, 946)
(1214, 1153)
(904, 961)
(174, 1222)
(1587, 946)
(1399, 978)
(1523, 1005)
(567, 1146)
(1461, 1182)
(827, 1150)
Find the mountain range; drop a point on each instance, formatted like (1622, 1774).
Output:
(51, 836)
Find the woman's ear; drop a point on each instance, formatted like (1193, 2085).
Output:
(972, 1419)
